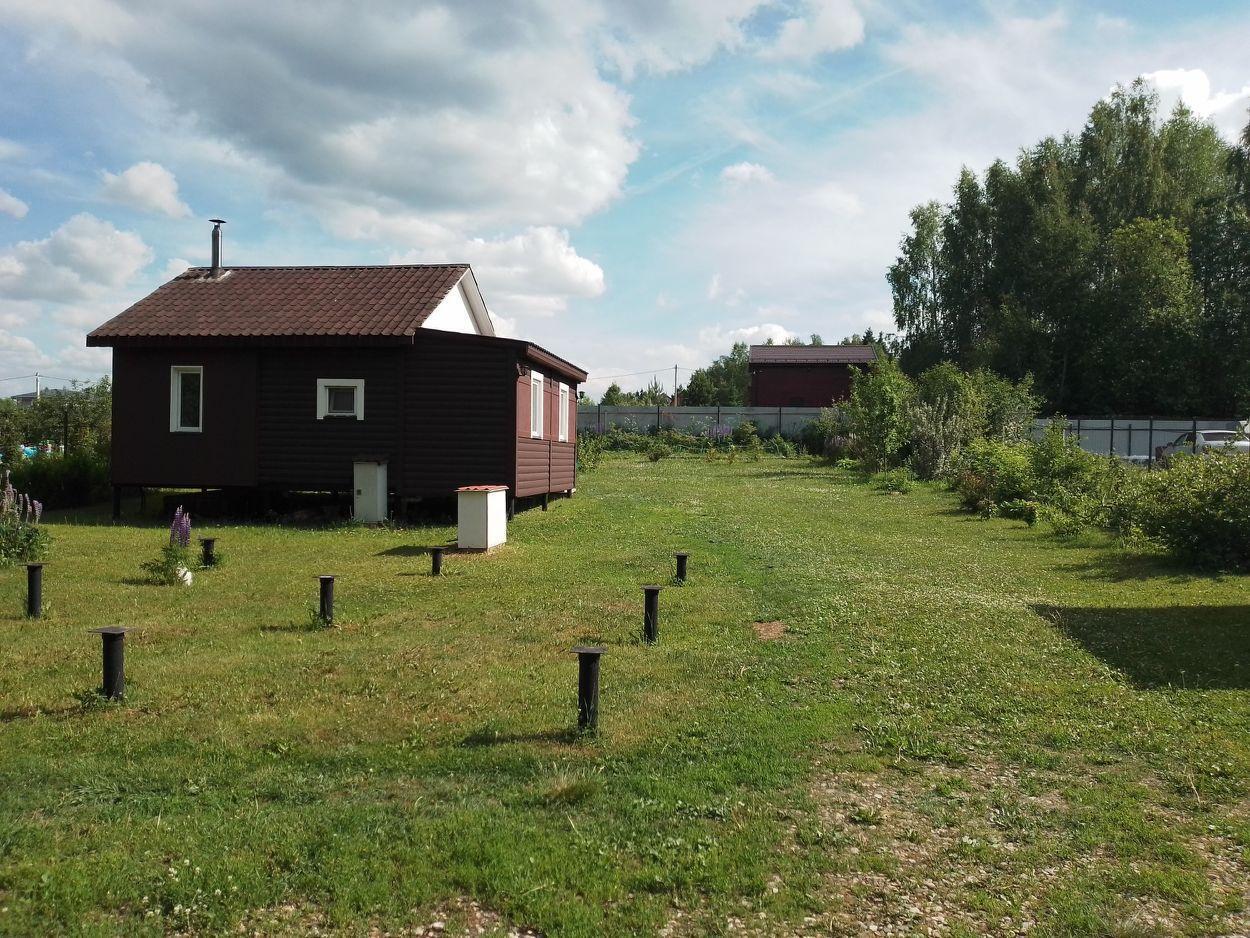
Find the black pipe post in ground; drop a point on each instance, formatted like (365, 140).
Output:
(682, 558)
(208, 545)
(436, 561)
(651, 614)
(34, 590)
(113, 686)
(588, 687)
(327, 598)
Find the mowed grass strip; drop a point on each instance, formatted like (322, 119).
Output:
(964, 723)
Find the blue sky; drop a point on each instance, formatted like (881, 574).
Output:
(637, 184)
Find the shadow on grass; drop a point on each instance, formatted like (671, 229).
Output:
(412, 550)
(1120, 565)
(1197, 647)
(489, 737)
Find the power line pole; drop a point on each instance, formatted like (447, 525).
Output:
(674, 385)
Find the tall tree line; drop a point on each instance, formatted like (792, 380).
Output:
(1112, 265)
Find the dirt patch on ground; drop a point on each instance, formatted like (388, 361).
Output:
(769, 631)
(461, 917)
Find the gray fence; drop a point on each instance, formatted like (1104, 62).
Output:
(698, 420)
(1131, 438)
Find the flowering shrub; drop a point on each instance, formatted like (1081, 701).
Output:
(21, 538)
(174, 565)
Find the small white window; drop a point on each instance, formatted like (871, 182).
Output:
(536, 404)
(341, 398)
(186, 399)
(564, 413)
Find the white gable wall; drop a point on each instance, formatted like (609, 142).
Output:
(452, 314)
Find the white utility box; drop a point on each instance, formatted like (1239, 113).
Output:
(369, 490)
(481, 516)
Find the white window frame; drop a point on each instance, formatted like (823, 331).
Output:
(563, 422)
(537, 405)
(323, 397)
(175, 398)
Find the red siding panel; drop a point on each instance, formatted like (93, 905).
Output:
(799, 385)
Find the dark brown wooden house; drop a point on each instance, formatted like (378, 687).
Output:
(804, 375)
(284, 378)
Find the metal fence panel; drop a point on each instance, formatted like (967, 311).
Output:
(1131, 438)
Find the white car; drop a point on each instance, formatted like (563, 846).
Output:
(1205, 441)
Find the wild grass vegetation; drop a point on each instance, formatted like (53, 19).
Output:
(864, 707)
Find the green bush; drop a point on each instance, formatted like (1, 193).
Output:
(827, 435)
(658, 450)
(877, 414)
(894, 481)
(71, 481)
(779, 446)
(744, 433)
(988, 473)
(1197, 509)
(589, 451)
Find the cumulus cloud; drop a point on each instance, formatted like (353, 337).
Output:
(12, 205)
(147, 187)
(83, 258)
(824, 26)
(667, 37)
(742, 174)
(1192, 86)
(461, 113)
(18, 353)
(534, 273)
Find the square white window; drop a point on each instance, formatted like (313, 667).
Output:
(186, 399)
(564, 413)
(341, 398)
(536, 405)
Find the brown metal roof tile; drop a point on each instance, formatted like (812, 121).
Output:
(811, 354)
(289, 301)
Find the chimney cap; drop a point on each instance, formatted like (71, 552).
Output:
(218, 221)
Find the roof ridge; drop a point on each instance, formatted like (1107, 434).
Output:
(330, 266)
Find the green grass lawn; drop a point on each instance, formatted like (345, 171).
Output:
(961, 724)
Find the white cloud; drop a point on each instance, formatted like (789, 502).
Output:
(148, 187)
(462, 114)
(18, 353)
(174, 266)
(10, 149)
(83, 258)
(532, 274)
(820, 239)
(1193, 87)
(662, 37)
(742, 174)
(825, 26)
(12, 205)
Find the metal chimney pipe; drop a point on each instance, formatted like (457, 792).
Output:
(217, 223)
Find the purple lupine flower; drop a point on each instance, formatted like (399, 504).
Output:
(180, 529)
(38, 510)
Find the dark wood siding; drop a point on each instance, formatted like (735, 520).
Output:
(799, 385)
(146, 452)
(296, 450)
(458, 414)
